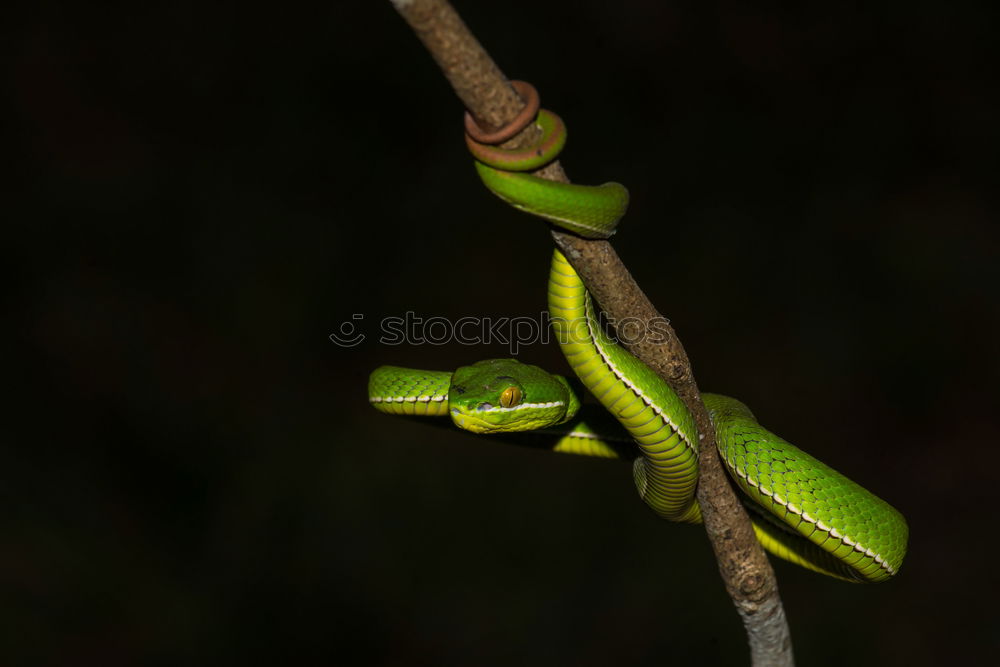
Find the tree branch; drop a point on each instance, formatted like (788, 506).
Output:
(747, 574)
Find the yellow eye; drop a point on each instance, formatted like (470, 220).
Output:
(510, 397)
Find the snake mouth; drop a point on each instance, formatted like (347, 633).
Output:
(489, 418)
(475, 423)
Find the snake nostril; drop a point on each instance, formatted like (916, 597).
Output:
(484, 406)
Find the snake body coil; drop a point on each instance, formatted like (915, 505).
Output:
(802, 510)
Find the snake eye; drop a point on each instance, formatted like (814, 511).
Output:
(510, 397)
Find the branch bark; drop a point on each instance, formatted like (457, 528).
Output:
(744, 567)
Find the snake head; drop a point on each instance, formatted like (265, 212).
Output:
(504, 395)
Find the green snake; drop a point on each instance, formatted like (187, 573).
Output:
(802, 510)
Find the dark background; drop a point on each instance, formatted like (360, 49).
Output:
(200, 194)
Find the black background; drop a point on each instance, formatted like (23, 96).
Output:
(200, 194)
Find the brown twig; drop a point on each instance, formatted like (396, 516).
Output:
(747, 574)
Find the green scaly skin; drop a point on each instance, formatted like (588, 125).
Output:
(559, 203)
(802, 510)
(825, 522)
(472, 395)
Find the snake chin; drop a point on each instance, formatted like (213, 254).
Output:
(469, 423)
(475, 424)
(482, 424)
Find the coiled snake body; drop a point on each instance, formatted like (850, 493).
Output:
(803, 511)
